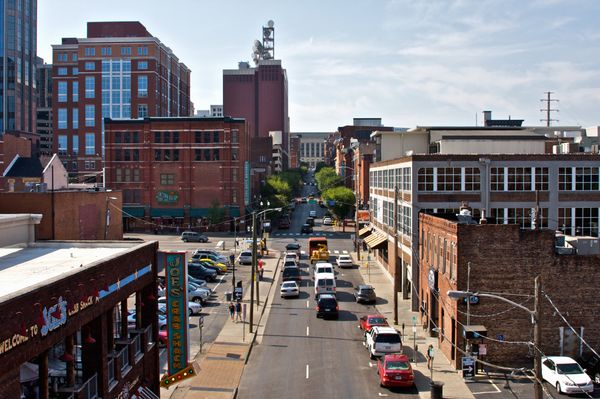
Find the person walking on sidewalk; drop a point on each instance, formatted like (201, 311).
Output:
(429, 356)
(231, 310)
(238, 311)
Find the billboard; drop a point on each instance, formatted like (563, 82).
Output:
(177, 311)
(363, 216)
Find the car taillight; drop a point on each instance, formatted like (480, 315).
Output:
(337, 307)
(318, 308)
(334, 288)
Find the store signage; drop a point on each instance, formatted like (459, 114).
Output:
(363, 216)
(167, 197)
(177, 312)
(54, 316)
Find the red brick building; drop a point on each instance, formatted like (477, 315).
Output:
(294, 154)
(505, 259)
(172, 171)
(118, 71)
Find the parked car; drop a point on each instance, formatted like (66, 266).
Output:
(198, 271)
(327, 306)
(310, 221)
(291, 256)
(284, 223)
(306, 228)
(192, 236)
(162, 319)
(222, 267)
(198, 294)
(369, 321)
(304, 200)
(344, 261)
(293, 247)
(382, 340)
(193, 307)
(395, 371)
(327, 221)
(566, 375)
(245, 258)
(312, 214)
(197, 281)
(289, 289)
(291, 273)
(206, 265)
(212, 255)
(289, 263)
(365, 293)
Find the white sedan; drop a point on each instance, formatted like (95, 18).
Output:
(327, 221)
(289, 288)
(344, 261)
(193, 307)
(566, 375)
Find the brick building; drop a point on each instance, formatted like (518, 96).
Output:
(294, 154)
(118, 71)
(505, 259)
(173, 170)
(65, 331)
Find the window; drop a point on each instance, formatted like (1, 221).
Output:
(142, 86)
(75, 71)
(90, 116)
(197, 155)
(157, 137)
(472, 179)
(142, 65)
(90, 66)
(216, 137)
(74, 57)
(62, 118)
(541, 179)
(167, 179)
(89, 87)
(75, 115)
(206, 156)
(62, 92)
(75, 139)
(524, 217)
(175, 137)
(142, 110)
(207, 137)
(519, 179)
(142, 50)
(75, 91)
(234, 137)
(406, 225)
(157, 155)
(90, 51)
(167, 137)
(215, 154)
(62, 71)
(234, 175)
(425, 176)
(135, 137)
(175, 155)
(586, 179)
(90, 144)
(497, 179)
(106, 51)
(125, 50)
(579, 221)
(448, 179)
(127, 175)
(62, 145)
(136, 175)
(197, 137)
(234, 154)
(407, 179)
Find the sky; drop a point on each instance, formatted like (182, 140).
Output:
(409, 62)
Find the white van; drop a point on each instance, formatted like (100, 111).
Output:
(324, 284)
(324, 267)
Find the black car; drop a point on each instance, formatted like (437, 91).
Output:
(365, 293)
(293, 247)
(310, 221)
(201, 272)
(306, 228)
(291, 273)
(327, 306)
(208, 266)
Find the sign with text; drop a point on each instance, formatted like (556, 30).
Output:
(363, 216)
(468, 367)
(167, 197)
(177, 311)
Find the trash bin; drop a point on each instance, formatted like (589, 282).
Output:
(228, 296)
(437, 388)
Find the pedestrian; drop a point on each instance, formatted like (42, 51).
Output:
(231, 310)
(429, 356)
(238, 310)
(232, 259)
(261, 269)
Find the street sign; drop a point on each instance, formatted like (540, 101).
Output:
(482, 349)
(414, 319)
(238, 293)
(468, 367)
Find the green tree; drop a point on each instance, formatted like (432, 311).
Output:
(326, 178)
(216, 213)
(319, 166)
(340, 200)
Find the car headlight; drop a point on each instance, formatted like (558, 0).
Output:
(570, 383)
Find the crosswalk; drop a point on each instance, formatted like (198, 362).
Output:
(302, 235)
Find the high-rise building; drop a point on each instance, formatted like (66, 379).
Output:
(118, 71)
(18, 51)
(44, 106)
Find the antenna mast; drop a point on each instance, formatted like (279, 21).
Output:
(548, 100)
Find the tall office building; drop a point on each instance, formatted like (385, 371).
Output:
(44, 106)
(118, 71)
(18, 46)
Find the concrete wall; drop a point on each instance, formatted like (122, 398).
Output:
(492, 146)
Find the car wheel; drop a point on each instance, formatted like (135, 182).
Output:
(197, 300)
(558, 387)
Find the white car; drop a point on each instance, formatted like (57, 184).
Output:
(566, 375)
(193, 307)
(327, 221)
(289, 288)
(344, 261)
(245, 258)
(382, 340)
(312, 214)
(323, 267)
(291, 256)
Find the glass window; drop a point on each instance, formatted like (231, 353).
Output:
(197, 154)
(142, 110)
(448, 179)
(142, 65)
(407, 179)
(167, 179)
(126, 66)
(89, 87)
(497, 179)
(234, 136)
(116, 66)
(75, 115)
(425, 176)
(519, 179)
(157, 137)
(75, 91)
(207, 137)
(75, 144)
(90, 116)
(90, 144)
(62, 71)
(157, 155)
(142, 50)
(215, 154)
(175, 155)
(62, 145)
(125, 50)
(198, 137)
(472, 179)
(90, 51)
(142, 86)
(541, 179)
(62, 118)
(106, 51)
(216, 136)
(167, 137)
(75, 71)
(206, 153)
(90, 66)
(62, 92)
(74, 57)
(586, 179)
(175, 137)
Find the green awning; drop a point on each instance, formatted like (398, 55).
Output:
(133, 211)
(166, 212)
(234, 212)
(199, 212)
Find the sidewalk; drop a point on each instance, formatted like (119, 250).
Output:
(454, 386)
(222, 362)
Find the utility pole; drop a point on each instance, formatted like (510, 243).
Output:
(356, 239)
(548, 100)
(252, 273)
(468, 348)
(536, 216)
(537, 338)
(396, 278)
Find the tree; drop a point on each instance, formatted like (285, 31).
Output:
(340, 200)
(216, 213)
(319, 166)
(326, 178)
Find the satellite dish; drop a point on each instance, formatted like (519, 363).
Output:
(270, 24)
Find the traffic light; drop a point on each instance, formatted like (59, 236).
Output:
(167, 380)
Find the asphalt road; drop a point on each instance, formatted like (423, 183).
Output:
(302, 356)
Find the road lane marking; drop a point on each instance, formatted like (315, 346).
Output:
(307, 372)
(382, 394)
(344, 251)
(336, 252)
(370, 364)
(307, 305)
(218, 284)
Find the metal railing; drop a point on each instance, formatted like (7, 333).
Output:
(137, 344)
(111, 370)
(89, 389)
(123, 356)
(149, 335)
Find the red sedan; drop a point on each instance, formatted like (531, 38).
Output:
(395, 371)
(372, 320)
(162, 338)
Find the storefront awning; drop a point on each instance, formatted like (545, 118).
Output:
(199, 212)
(376, 241)
(166, 212)
(365, 231)
(133, 211)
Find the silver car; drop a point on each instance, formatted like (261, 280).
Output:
(289, 289)
(193, 307)
(245, 258)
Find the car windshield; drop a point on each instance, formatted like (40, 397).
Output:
(377, 320)
(291, 271)
(366, 291)
(569, 368)
(397, 365)
(324, 270)
(328, 302)
(292, 246)
(388, 338)
(344, 258)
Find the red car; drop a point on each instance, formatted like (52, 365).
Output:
(372, 320)
(395, 371)
(162, 338)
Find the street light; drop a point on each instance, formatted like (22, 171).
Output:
(535, 319)
(107, 216)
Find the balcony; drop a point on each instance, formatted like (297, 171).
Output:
(81, 390)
